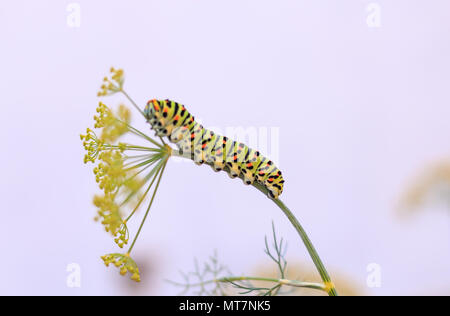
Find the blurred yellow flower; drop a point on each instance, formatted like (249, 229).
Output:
(433, 183)
(124, 263)
(301, 272)
(112, 85)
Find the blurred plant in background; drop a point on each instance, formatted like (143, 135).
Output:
(214, 278)
(432, 187)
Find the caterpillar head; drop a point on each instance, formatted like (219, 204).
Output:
(150, 109)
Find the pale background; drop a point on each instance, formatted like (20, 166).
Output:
(361, 110)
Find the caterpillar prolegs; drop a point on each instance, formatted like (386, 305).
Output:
(171, 119)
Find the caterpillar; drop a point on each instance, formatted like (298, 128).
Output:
(171, 119)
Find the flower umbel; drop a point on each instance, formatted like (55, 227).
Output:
(125, 172)
(112, 127)
(124, 263)
(112, 84)
(109, 212)
(92, 145)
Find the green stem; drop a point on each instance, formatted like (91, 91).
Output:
(154, 172)
(150, 205)
(310, 247)
(132, 102)
(139, 133)
(306, 241)
(139, 164)
(142, 113)
(134, 148)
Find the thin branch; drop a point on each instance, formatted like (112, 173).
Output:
(150, 204)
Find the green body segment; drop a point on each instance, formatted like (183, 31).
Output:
(171, 119)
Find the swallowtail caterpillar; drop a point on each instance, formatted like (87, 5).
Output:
(171, 119)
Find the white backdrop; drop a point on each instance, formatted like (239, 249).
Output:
(361, 104)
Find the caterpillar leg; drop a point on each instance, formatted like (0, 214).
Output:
(272, 193)
(266, 174)
(158, 126)
(248, 176)
(218, 164)
(237, 165)
(164, 131)
(178, 133)
(218, 153)
(206, 145)
(234, 169)
(274, 184)
(251, 162)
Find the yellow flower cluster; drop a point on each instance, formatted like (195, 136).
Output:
(114, 179)
(109, 212)
(92, 145)
(125, 263)
(123, 237)
(104, 116)
(116, 172)
(113, 126)
(112, 85)
(110, 172)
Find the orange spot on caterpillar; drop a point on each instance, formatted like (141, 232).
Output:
(155, 104)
